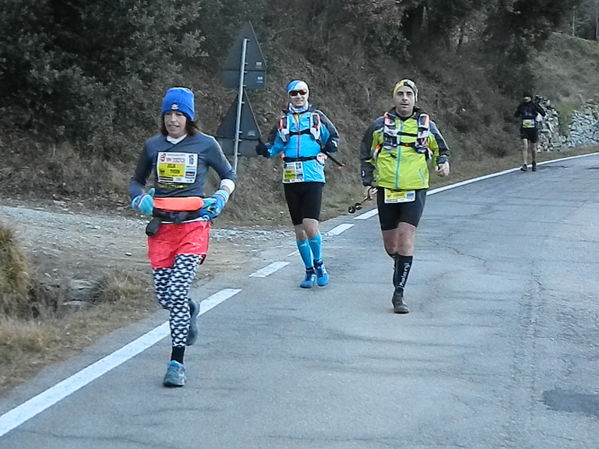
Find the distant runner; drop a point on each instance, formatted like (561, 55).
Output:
(305, 136)
(395, 155)
(527, 112)
(178, 235)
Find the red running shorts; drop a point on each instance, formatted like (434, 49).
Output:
(173, 239)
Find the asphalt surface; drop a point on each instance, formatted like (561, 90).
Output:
(500, 350)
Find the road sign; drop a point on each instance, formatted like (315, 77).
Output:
(249, 132)
(254, 67)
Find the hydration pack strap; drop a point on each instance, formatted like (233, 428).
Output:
(314, 129)
(390, 138)
(283, 128)
(299, 159)
(422, 137)
(303, 131)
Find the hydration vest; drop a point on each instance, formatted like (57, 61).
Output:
(313, 129)
(391, 136)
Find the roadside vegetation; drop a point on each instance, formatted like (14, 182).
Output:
(38, 326)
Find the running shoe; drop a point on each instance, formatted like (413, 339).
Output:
(523, 168)
(175, 375)
(534, 166)
(310, 279)
(399, 306)
(322, 277)
(192, 333)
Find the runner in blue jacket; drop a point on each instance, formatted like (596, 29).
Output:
(304, 135)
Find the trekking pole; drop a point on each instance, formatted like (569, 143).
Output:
(336, 161)
(358, 206)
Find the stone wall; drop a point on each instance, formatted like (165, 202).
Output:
(583, 129)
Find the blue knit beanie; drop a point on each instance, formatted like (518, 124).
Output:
(179, 99)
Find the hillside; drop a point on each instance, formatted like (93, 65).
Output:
(568, 70)
(474, 114)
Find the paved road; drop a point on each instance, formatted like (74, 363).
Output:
(500, 351)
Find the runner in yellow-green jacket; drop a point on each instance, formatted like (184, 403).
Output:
(395, 155)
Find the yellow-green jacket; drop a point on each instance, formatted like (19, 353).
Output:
(400, 161)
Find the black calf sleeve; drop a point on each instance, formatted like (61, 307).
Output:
(401, 271)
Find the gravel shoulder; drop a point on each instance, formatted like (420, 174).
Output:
(68, 242)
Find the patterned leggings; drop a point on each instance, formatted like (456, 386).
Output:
(172, 291)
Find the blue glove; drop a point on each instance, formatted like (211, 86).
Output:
(144, 203)
(214, 205)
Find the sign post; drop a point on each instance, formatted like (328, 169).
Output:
(239, 103)
(245, 68)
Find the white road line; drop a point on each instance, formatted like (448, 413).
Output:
(339, 229)
(367, 215)
(214, 300)
(470, 181)
(269, 269)
(27, 410)
(504, 172)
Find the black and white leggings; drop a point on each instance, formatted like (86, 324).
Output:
(172, 292)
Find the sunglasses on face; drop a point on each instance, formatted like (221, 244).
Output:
(295, 93)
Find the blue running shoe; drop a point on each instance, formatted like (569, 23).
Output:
(322, 277)
(192, 333)
(175, 375)
(310, 280)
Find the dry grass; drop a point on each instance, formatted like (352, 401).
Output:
(14, 276)
(568, 70)
(118, 288)
(27, 345)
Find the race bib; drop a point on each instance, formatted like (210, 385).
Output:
(180, 168)
(528, 123)
(293, 172)
(399, 196)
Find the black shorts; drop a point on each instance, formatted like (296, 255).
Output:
(531, 134)
(390, 215)
(303, 200)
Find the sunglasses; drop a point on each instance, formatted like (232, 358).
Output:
(295, 93)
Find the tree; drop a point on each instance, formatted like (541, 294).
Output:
(86, 70)
(585, 20)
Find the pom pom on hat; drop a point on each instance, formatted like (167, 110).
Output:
(179, 99)
(406, 82)
(297, 85)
